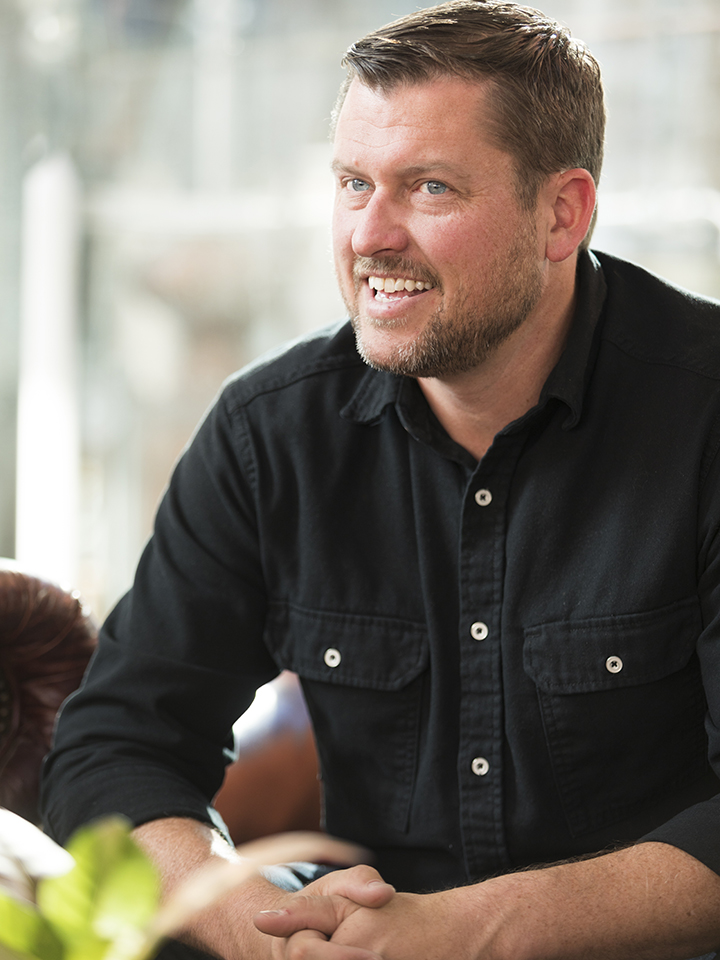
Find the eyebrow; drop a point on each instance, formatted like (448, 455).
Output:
(420, 169)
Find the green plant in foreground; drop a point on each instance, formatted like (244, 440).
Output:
(100, 910)
(103, 901)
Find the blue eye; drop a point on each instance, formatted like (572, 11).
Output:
(357, 186)
(435, 187)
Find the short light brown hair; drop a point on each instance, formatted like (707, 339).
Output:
(547, 96)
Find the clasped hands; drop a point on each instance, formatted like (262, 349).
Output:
(354, 915)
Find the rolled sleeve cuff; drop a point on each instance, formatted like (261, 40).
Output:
(696, 831)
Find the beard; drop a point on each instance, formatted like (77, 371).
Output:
(461, 334)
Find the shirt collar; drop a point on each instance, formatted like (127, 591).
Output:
(569, 378)
(567, 381)
(376, 391)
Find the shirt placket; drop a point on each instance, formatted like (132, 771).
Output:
(482, 562)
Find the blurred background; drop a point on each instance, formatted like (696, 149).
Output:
(164, 210)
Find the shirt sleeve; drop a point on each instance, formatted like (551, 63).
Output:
(696, 830)
(149, 733)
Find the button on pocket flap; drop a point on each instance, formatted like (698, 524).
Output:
(604, 653)
(381, 653)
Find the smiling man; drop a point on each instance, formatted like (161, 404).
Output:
(480, 520)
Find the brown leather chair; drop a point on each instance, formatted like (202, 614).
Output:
(273, 785)
(46, 641)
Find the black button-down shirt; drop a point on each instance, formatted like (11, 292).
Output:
(506, 662)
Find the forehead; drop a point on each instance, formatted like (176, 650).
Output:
(428, 122)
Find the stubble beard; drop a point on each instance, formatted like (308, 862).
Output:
(460, 336)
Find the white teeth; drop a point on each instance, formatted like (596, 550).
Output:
(396, 284)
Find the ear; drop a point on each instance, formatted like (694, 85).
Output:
(569, 200)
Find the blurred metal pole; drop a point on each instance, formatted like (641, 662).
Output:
(48, 444)
(12, 116)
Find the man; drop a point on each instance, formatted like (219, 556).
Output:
(491, 552)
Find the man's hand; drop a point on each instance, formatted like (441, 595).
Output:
(337, 918)
(306, 921)
(648, 902)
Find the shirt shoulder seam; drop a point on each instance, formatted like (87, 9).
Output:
(630, 348)
(238, 393)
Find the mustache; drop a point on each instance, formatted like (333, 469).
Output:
(395, 266)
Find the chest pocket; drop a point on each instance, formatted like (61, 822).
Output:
(363, 680)
(623, 709)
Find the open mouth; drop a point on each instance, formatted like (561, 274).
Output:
(395, 288)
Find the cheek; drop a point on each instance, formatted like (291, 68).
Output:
(469, 248)
(342, 240)
(453, 239)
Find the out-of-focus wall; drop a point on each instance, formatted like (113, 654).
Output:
(193, 139)
(660, 191)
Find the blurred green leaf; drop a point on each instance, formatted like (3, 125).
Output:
(7, 954)
(130, 894)
(110, 895)
(91, 947)
(25, 932)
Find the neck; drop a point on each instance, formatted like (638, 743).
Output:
(474, 406)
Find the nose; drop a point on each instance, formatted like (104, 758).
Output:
(380, 228)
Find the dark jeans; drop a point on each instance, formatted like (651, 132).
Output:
(174, 950)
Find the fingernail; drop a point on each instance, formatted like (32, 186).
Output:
(273, 913)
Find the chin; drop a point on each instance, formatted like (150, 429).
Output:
(381, 343)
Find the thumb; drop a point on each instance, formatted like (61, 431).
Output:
(362, 884)
(321, 913)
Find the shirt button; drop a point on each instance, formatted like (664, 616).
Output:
(613, 664)
(479, 630)
(480, 766)
(332, 657)
(483, 498)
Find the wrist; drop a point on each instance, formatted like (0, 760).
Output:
(499, 919)
(181, 848)
(226, 929)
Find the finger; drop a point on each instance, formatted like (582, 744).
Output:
(362, 884)
(326, 902)
(311, 945)
(318, 913)
(296, 946)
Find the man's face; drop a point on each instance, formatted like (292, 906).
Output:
(437, 262)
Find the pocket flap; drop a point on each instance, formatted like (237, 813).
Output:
(604, 653)
(381, 653)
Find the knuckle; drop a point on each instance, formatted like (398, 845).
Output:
(363, 872)
(301, 947)
(370, 873)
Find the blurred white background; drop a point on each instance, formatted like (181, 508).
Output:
(165, 203)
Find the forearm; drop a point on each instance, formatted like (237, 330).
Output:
(179, 847)
(646, 902)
